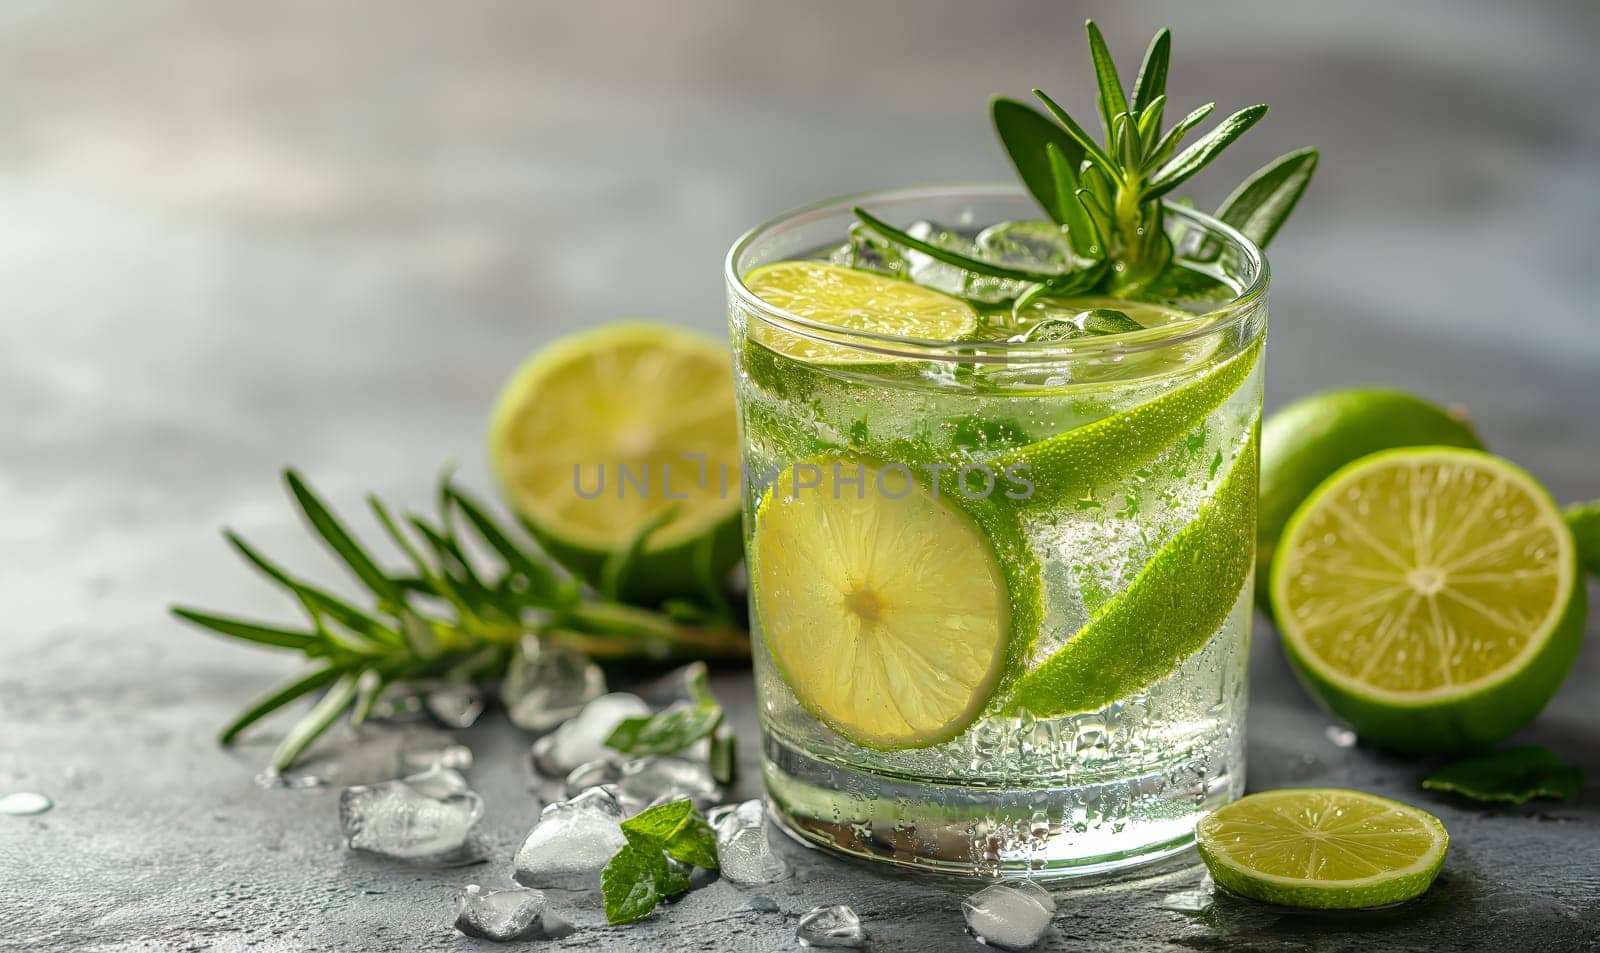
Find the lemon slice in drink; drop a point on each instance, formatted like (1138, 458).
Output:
(1323, 848)
(1430, 596)
(599, 434)
(852, 301)
(884, 607)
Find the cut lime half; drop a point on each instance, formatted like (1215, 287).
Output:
(1430, 596)
(602, 433)
(885, 608)
(1322, 848)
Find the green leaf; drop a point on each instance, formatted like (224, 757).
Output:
(318, 602)
(542, 582)
(697, 679)
(1584, 518)
(1113, 102)
(1206, 148)
(631, 882)
(678, 829)
(340, 541)
(1259, 206)
(249, 631)
(1150, 124)
(1027, 135)
(724, 755)
(321, 716)
(1169, 142)
(1081, 233)
(946, 255)
(277, 698)
(1511, 775)
(1152, 81)
(1091, 149)
(667, 732)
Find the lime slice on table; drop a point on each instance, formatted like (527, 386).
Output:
(1322, 848)
(1430, 596)
(1305, 442)
(852, 301)
(884, 606)
(649, 409)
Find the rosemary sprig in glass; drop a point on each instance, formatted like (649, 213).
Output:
(450, 616)
(1107, 197)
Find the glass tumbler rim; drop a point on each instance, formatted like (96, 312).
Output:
(1232, 313)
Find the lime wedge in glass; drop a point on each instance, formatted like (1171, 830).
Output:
(885, 607)
(1430, 596)
(1323, 848)
(649, 410)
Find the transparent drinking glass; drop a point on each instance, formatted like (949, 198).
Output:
(1115, 718)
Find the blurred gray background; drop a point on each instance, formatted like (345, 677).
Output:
(235, 236)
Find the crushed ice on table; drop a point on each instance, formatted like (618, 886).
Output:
(582, 738)
(837, 925)
(1340, 736)
(454, 757)
(502, 915)
(24, 804)
(571, 842)
(457, 706)
(1013, 914)
(661, 778)
(744, 853)
(590, 774)
(547, 684)
(761, 904)
(427, 819)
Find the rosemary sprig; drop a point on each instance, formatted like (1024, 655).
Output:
(1107, 197)
(449, 616)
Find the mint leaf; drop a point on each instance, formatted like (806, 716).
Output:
(724, 755)
(698, 679)
(677, 828)
(638, 877)
(1512, 775)
(631, 882)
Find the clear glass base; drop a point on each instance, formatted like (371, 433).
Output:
(1079, 827)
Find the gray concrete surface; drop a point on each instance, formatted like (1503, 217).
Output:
(234, 236)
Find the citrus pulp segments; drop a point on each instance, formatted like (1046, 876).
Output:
(885, 608)
(853, 301)
(1430, 596)
(1178, 601)
(651, 400)
(1322, 848)
(1307, 441)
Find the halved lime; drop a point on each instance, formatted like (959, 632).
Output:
(1584, 518)
(1324, 848)
(1430, 596)
(1305, 442)
(885, 607)
(599, 434)
(852, 301)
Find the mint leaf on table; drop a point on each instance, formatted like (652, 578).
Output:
(638, 877)
(675, 729)
(1512, 776)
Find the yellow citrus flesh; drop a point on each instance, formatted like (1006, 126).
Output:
(649, 409)
(884, 607)
(853, 301)
(1423, 574)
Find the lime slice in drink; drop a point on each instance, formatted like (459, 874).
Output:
(1169, 611)
(1305, 442)
(1430, 596)
(885, 608)
(854, 301)
(1323, 848)
(599, 434)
